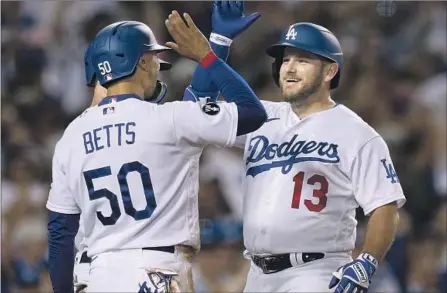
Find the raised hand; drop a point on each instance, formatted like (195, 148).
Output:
(189, 40)
(228, 18)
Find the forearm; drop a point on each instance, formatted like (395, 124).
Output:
(201, 84)
(251, 112)
(380, 231)
(201, 81)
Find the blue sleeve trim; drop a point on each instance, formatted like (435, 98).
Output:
(250, 117)
(251, 112)
(62, 229)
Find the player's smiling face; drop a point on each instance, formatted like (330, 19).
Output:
(301, 74)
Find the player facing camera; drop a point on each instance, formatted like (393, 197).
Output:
(308, 61)
(303, 74)
(313, 162)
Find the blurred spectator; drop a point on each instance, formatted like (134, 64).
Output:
(28, 262)
(219, 266)
(22, 195)
(228, 178)
(442, 273)
(431, 96)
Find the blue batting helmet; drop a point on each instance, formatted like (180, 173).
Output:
(309, 37)
(116, 50)
(90, 77)
(89, 70)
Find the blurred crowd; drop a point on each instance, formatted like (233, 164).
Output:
(394, 77)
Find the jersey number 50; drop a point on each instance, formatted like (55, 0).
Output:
(320, 194)
(125, 195)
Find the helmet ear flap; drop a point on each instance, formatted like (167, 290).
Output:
(275, 72)
(276, 66)
(159, 93)
(335, 80)
(90, 76)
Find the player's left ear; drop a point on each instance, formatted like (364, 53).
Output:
(330, 71)
(142, 64)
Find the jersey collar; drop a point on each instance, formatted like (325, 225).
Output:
(118, 98)
(313, 114)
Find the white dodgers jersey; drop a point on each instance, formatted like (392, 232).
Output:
(131, 169)
(305, 178)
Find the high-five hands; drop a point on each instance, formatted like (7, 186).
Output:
(189, 40)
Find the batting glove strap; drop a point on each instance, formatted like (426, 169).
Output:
(220, 40)
(371, 260)
(355, 275)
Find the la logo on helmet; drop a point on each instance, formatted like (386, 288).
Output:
(291, 34)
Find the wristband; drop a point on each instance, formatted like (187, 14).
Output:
(369, 258)
(220, 40)
(208, 59)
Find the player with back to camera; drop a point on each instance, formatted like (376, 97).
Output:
(129, 168)
(233, 20)
(307, 170)
(82, 262)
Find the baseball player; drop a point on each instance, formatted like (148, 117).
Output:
(82, 262)
(227, 12)
(307, 169)
(129, 167)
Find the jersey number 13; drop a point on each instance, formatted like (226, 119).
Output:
(320, 193)
(125, 194)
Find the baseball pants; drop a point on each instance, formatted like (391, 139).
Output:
(81, 270)
(313, 276)
(125, 270)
